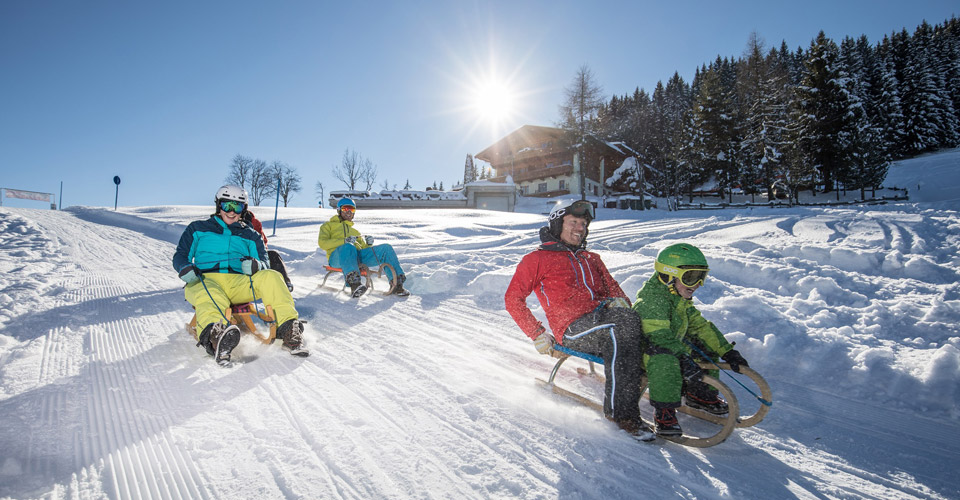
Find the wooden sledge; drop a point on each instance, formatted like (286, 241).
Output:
(725, 423)
(365, 272)
(240, 315)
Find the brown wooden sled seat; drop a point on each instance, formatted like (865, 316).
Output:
(240, 315)
(365, 272)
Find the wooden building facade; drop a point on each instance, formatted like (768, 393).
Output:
(544, 162)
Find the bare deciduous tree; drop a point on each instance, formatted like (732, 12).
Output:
(289, 183)
(369, 174)
(240, 170)
(354, 169)
(262, 182)
(578, 113)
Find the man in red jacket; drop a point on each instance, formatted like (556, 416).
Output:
(586, 309)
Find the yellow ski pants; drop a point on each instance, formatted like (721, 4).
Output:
(215, 292)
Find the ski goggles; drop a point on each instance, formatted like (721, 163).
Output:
(348, 209)
(689, 277)
(233, 206)
(693, 277)
(577, 209)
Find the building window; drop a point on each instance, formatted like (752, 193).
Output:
(567, 162)
(542, 187)
(524, 189)
(563, 184)
(549, 164)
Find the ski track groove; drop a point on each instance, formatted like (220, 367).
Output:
(171, 460)
(934, 442)
(132, 363)
(387, 416)
(338, 483)
(336, 478)
(117, 369)
(438, 409)
(116, 397)
(337, 410)
(391, 389)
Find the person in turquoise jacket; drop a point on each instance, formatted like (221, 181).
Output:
(671, 323)
(223, 261)
(347, 250)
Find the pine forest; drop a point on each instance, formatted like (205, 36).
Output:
(828, 117)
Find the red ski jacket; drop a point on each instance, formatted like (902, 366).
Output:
(568, 284)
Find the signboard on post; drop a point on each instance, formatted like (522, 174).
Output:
(116, 180)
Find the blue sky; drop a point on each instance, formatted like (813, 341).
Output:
(164, 94)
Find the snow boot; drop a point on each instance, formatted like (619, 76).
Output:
(399, 290)
(666, 421)
(637, 429)
(708, 401)
(292, 334)
(356, 288)
(204, 339)
(224, 339)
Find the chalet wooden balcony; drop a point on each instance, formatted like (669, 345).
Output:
(529, 174)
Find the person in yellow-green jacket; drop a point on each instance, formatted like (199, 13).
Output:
(347, 250)
(671, 323)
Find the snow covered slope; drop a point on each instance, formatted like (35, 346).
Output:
(853, 316)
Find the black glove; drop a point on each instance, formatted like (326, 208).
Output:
(249, 266)
(690, 370)
(735, 359)
(190, 274)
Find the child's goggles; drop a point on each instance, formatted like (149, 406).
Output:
(348, 208)
(690, 277)
(233, 206)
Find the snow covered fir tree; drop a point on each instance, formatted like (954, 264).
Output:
(825, 118)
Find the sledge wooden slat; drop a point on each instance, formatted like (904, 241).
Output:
(727, 423)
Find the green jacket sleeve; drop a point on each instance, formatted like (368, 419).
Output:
(707, 332)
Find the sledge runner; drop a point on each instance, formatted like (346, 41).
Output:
(223, 261)
(347, 250)
(585, 308)
(670, 321)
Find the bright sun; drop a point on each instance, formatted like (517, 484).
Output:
(494, 102)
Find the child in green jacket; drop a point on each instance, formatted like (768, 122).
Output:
(670, 323)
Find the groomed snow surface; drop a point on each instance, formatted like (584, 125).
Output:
(852, 315)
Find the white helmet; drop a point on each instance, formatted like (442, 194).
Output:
(231, 192)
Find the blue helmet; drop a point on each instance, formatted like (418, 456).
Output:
(347, 202)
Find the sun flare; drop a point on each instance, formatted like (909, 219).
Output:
(493, 101)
